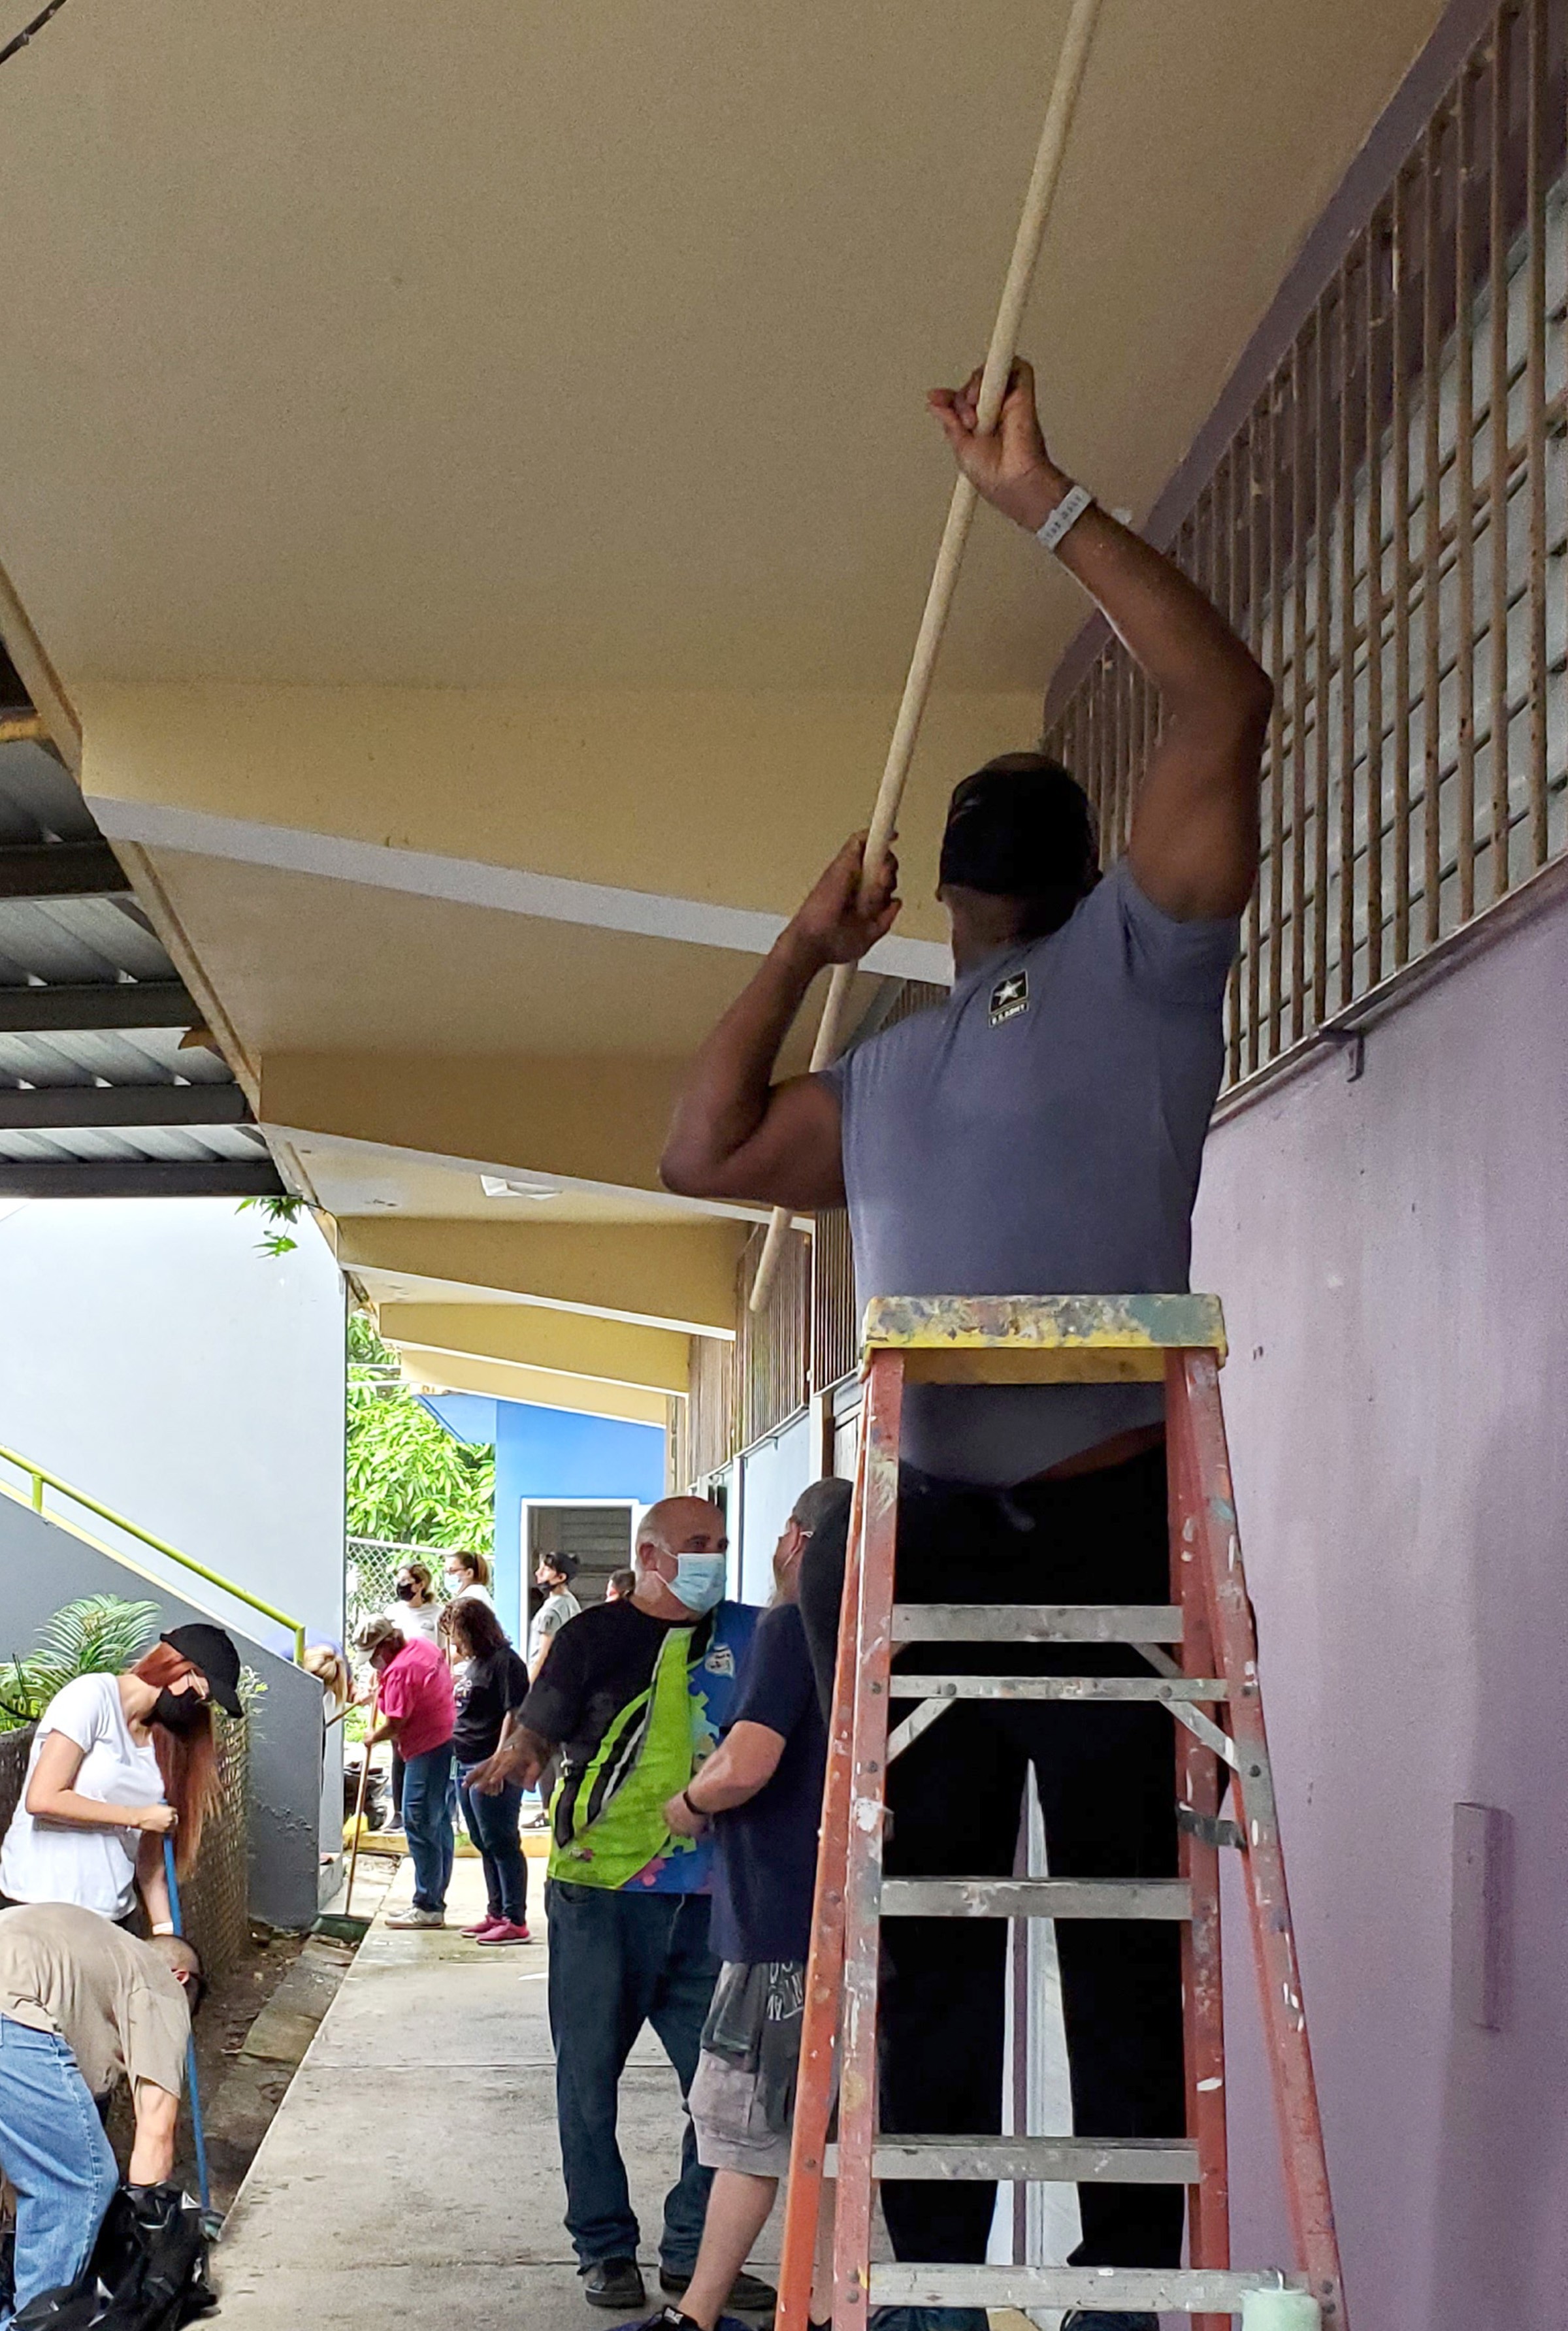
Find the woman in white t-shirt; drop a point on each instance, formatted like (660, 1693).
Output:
(119, 1763)
(467, 1574)
(416, 1611)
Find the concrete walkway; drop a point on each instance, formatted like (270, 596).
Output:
(411, 2174)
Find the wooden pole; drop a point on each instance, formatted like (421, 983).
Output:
(1026, 248)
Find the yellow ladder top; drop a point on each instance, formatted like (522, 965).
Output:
(1041, 1338)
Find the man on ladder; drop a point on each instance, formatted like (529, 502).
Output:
(1039, 1134)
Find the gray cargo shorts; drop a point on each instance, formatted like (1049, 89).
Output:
(742, 2097)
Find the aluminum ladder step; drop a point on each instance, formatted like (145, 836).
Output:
(1164, 1690)
(1037, 1623)
(1119, 2290)
(1035, 2160)
(1036, 1898)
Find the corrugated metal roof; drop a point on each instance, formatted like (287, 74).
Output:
(94, 941)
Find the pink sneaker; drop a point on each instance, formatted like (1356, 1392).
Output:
(505, 1932)
(486, 1926)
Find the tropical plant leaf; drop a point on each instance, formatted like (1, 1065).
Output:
(101, 1634)
(409, 1480)
(275, 1210)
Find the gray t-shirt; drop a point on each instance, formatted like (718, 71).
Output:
(1041, 1134)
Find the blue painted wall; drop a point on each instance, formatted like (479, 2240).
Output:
(543, 1453)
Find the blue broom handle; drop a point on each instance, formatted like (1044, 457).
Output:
(197, 2130)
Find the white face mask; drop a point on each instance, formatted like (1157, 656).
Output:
(699, 1581)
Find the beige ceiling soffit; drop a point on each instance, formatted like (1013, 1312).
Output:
(166, 923)
(296, 1078)
(534, 1388)
(39, 677)
(293, 1167)
(677, 1276)
(562, 1341)
(474, 882)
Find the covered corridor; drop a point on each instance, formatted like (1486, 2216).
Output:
(412, 2172)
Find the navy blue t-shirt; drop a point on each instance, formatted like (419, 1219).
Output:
(765, 1867)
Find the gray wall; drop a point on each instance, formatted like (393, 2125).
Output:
(154, 1360)
(42, 1566)
(1393, 1259)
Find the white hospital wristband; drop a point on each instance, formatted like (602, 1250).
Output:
(1064, 517)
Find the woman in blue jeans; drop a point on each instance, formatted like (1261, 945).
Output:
(489, 1679)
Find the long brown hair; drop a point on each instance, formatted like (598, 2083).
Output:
(188, 1761)
(473, 1561)
(472, 1628)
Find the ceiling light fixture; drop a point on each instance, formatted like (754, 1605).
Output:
(496, 1185)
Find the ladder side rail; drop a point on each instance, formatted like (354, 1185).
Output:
(1201, 1784)
(825, 1963)
(863, 1874)
(1210, 1528)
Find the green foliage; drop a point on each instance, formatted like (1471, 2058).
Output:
(409, 1480)
(274, 1242)
(99, 1636)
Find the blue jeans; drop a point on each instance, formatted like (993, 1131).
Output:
(493, 1823)
(53, 2150)
(427, 1824)
(618, 1961)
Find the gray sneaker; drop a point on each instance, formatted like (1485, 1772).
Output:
(412, 1917)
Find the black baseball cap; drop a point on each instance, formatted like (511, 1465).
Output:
(212, 1650)
(1019, 829)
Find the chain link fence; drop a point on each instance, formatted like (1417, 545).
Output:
(370, 1578)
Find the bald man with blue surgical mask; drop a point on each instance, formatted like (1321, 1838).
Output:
(633, 1698)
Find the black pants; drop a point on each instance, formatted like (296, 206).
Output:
(1106, 1776)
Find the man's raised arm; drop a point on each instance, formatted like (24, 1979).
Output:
(1194, 843)
(735, 1134)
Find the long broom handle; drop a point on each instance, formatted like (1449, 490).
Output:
(1026, 247)
(197, 2132)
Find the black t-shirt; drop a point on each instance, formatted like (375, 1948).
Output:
(595, 1663)
(484, 1689)
(766, 1868)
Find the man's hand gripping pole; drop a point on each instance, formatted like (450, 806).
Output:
(1026, 248)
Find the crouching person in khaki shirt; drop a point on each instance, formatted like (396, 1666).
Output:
(83, 2005)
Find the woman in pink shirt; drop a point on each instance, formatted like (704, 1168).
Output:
(416, 1713)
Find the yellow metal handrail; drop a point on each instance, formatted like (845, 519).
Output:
(41, 1478)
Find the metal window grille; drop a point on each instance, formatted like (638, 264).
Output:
(772, 1348)
(833, 1329)
(710, 1438)
(1386, 529)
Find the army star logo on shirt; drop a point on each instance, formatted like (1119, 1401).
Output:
(1009, 998)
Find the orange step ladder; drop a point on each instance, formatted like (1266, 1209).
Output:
(1181, 1339)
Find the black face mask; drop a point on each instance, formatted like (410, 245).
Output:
(406, 1590)
(1021, 833)
(178, 1711)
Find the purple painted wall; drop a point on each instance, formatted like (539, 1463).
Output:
(1394, 1260)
